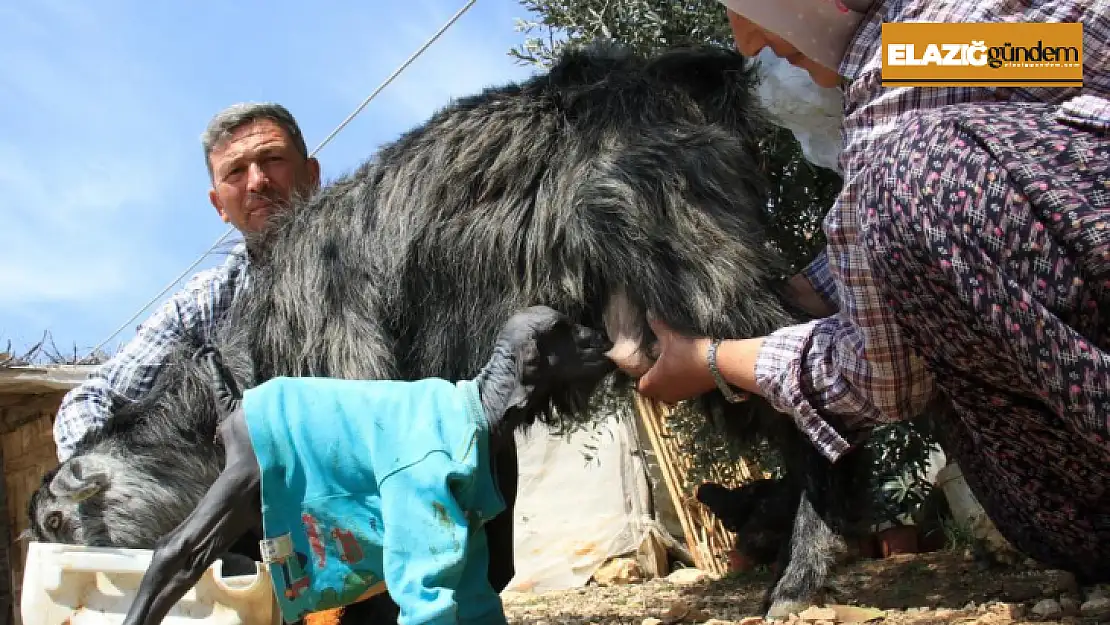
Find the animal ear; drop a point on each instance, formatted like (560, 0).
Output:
(80, 478)
(219, 376)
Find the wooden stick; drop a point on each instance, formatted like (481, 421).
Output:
(649, 417)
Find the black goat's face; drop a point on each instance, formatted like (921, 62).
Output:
(555, 352)
(114, 496)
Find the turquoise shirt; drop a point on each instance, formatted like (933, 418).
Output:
(371, 481)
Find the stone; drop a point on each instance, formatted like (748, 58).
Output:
(1069, 606)
(683, 577)
(855, 614)
(1095, 608)
(678, 611)
(619, 572)
(1047, 609)
(651, 620)
(815, 613)
(1015, 611)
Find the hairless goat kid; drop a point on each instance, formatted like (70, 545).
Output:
(352, 499)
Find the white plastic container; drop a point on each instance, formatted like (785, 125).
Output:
(73, 585)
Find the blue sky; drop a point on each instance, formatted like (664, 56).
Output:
(103, 190)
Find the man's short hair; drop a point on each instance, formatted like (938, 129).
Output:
(235, 116)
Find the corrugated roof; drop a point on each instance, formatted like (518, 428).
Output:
(31, 380)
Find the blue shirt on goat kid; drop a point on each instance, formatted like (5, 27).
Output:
(371, 481)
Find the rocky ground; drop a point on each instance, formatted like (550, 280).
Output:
(934, 588)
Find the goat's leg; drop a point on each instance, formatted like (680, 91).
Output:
(813, 548)
(230, 508)
(499, 531)
(782, 561)
(832, 507)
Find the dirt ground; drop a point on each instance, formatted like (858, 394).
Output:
(934, 588)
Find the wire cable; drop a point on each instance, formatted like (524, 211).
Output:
(326, 140)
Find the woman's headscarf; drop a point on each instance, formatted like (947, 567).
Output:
(819, 29)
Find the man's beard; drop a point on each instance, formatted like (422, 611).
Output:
(811, 112)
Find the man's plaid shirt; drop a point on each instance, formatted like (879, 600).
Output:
(854, 367)
(189, 315)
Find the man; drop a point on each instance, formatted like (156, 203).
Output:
(257, 162)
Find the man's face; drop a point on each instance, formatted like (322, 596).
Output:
(255, 171)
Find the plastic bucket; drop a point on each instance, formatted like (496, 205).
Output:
(75, 585)
(966, 510)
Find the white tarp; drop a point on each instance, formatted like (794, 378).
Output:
(573, 514)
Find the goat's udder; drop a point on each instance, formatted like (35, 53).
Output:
(624, 330)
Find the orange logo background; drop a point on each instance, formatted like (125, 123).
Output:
(983, 54)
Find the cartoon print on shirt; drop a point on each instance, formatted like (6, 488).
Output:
(356, 587)
(350, 548)
(293, 573)
(312, 528)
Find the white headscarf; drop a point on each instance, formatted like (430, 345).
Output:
(819, 29)
(811, 112)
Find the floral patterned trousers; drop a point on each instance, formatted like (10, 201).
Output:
(988, 230)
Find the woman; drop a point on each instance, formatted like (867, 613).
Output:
(968, 255)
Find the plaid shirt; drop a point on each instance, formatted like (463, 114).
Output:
(190, 315)
(853, 369)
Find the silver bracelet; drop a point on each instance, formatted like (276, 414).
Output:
(711, 356)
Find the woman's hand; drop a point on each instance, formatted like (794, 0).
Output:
(681, 371)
